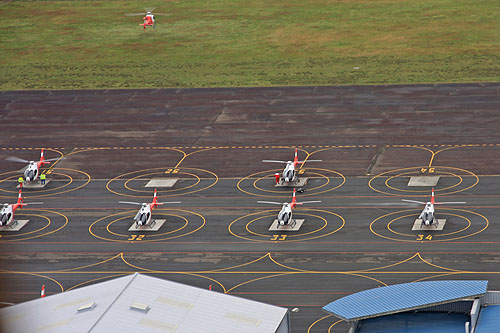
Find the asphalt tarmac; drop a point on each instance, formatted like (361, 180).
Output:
(370, 140)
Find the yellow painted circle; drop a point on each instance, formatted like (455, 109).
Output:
(22, 237)
(281, 192)
(469, 223)
(230, 227)
(247, 227)
(274, 193)
(405, 171)
(166, 193)
(34, 193)
(108, 227)
(486, 222)
(16, 234)
(441, 189)
(198, 179)
(151, 235)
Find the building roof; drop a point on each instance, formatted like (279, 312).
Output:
(403, 297)
(140, 303)
(488, 319)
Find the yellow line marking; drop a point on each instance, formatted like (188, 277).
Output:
(438, 275)
(317, 321)
(92, 265)
(34, 274)
(335, 323)
(391, 265)
(97, 279)
(261, 278)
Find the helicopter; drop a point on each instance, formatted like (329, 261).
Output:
(148, 19)
(427, 215)
(289, 174)
(285, 214)
(8, 210)
(143, 216)
(32, 170)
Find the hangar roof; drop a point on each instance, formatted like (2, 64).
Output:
(404, 297)
(141, 303)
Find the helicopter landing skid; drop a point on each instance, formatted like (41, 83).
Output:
(15, 225)
(293, 226)
(419, 226)
(298, 182)
(155, 225)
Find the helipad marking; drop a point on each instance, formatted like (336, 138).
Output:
(131, 218)
(146, 240)
(487, 222)
(17, 239)
(419, 168)
(163, 194)
(294, 240)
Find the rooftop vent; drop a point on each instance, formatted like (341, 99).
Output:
(140, 307)
(86, 307)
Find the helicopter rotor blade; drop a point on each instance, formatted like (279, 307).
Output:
(450, 203)
(33, 203)
(131, 203)
(271, 202)
(54, 159)
(168, 202)
(413, 201)
(135, 14)
(273, 161)
(16, 159)
(149, 9)
(307, 202)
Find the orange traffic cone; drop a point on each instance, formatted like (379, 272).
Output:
(42, 293)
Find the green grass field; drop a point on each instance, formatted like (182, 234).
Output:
(216, 43)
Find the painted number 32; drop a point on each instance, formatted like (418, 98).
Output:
(136, 237)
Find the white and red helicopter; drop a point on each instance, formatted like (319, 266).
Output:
(148, 19)
(32, 170)
(289, 174)
(143, 216)
(8, 210)
(427, 215)
(285, 214)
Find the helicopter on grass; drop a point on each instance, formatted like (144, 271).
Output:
(148, 19)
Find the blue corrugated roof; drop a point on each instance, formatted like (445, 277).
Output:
(403, 297)
(489, 321)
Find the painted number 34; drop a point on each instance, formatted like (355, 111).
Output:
(421, 237)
